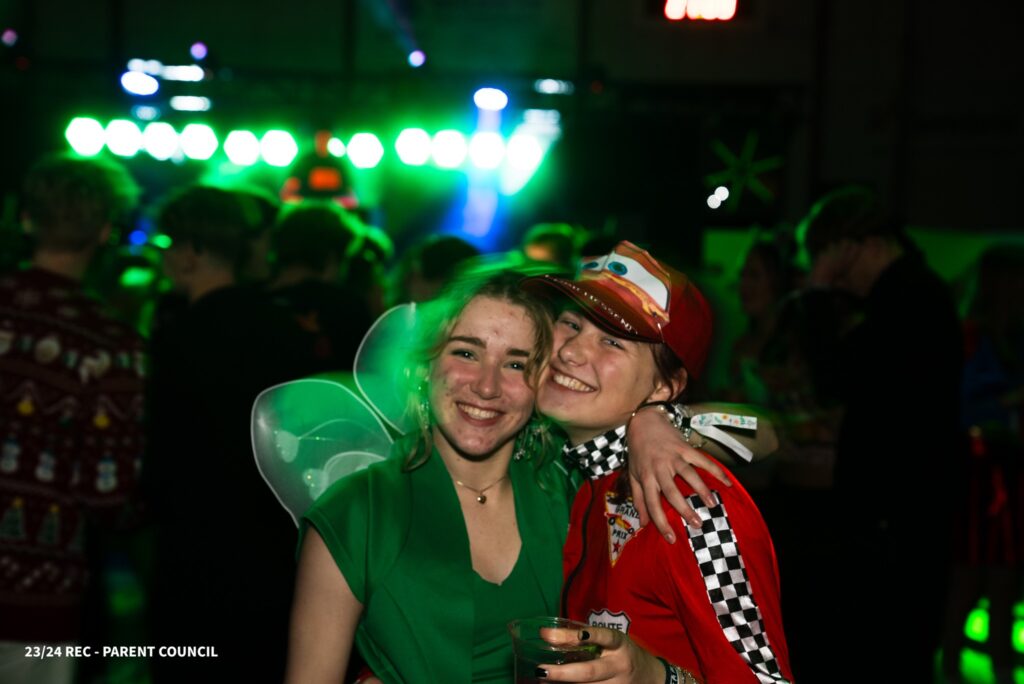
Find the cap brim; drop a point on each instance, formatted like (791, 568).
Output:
(600, 304)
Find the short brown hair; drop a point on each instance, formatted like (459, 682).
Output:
(312, 233)
(210, 219)
(69, 200)
(849, 213)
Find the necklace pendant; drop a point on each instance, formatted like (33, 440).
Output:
(482, 498)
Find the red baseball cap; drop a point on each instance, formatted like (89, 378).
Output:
(631, 294)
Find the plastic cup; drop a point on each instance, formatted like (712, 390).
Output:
(532, 648)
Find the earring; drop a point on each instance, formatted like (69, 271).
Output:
(423, 403)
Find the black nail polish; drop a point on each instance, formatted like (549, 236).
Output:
(540, 673)
(584, 635)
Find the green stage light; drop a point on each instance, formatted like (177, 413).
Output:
(123, 137)
(242, 148)
(365, 150)
(160, 140)
(486, 149)
(137, 277)
(976, 627)
(413, 146)
(525, 152)
(448, 149)
(335, 147)
(162, 241)
(198, 141)
(976, 666)
(278, 148)
(1018, 635)
(85, 136)
(523, 157)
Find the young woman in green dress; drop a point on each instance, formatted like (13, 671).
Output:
(422, 559)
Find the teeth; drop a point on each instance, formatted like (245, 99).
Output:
(571, 383)
(478, 413)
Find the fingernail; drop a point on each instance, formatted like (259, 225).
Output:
(671, 538)
(584, 635)
(540, 673)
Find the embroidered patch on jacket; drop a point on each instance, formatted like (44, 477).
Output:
(728, 587)
(623, 523)
(606, 618)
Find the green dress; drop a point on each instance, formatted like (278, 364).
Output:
(400, 540)
(494, 606)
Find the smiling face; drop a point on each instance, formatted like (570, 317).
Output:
(479, 392)
(596, 380)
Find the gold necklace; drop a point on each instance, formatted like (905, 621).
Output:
(480, 496)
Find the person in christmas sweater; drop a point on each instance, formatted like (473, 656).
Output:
(707, 607)
(70, 413)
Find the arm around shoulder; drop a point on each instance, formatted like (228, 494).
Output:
(325, 614)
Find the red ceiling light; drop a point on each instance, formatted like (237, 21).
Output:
(706, 10)
(324, 179)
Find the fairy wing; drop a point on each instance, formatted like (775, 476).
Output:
(383, 364)
(306, 434)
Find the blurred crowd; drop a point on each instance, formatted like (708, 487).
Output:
(128, 373)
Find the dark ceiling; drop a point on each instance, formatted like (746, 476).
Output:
(908, 96)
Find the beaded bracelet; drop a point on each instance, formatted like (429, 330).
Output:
(678, 415)
(675, 416)
(671, 672)
(677, 675)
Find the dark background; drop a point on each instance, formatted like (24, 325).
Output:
(917, 99)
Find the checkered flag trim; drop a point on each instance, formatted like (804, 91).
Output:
(600, 456)
(725, 578)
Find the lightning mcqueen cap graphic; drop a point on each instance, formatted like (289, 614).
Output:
(631, 294)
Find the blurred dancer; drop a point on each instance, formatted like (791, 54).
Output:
(312, 245)
(897, 373)
(208, 364)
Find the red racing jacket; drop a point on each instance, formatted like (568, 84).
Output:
(708, 603)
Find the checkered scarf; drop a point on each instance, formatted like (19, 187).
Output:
(600, 456)
(728, 586)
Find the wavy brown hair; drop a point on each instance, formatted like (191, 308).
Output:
(438, 318)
